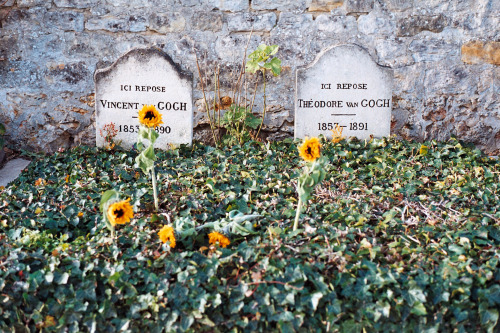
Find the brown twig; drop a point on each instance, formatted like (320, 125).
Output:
(205, 99)
(237, 88)
(275, 282)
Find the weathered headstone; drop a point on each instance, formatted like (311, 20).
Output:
(139, 77)
(343, 86)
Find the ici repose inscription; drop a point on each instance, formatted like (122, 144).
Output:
(344, 87)
(144, 76)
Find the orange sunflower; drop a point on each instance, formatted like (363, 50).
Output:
(215, 237)
(166, 234)
(149, 116)
(310, 150)
(120, 212)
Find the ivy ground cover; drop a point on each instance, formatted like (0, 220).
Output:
(398, 237)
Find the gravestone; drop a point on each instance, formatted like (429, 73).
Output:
(345, 87)
(139, 77)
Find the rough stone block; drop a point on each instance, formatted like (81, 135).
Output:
(67, 21)
(231, 48)
(167, 22)
(232, 5)
(411, 26)
(250, 21)
(400, 5)
(198, 3)
(375, 24)
(282, 5)
(337, 24)
(359, 6)
(207, 22)
(142, 5)
(32, 3)
(293, 23)
(9, 48)
(75, 3)
(108, 23)
(324, 5)
(61, 74)
(477, 52)
(137, 23)
(433, 49)
(392, 53)
(275, 117)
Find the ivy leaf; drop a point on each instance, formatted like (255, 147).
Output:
(419, 309)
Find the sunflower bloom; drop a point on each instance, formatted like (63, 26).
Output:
(167, 234)
(215, 237)
(120, 212)
(337, 134)
(310, 150)
(149, 116)
(423, 150)
(49, 321)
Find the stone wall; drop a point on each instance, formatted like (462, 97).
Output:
(445, 55)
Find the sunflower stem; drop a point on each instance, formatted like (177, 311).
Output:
(263, 111)
(299, 208)
(155, 193)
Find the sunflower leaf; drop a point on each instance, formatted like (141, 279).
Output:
(106, 197)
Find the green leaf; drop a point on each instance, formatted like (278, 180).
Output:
(351, 326)
(144, 160)
(419, 309)
(489, 318)
(107, 196)
(252, 66)
(272, 49)
(62, 279)
(493, 295)
(274, 65)
(252, 121)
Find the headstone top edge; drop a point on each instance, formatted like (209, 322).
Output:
(330, 48)
(137, 52)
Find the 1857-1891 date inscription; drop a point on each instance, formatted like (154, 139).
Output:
(352, 126)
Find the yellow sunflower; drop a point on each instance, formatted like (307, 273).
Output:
(120, 212)
(215, 237)
(310, 149)
(149, 116)
(49, 321)
(167, 234)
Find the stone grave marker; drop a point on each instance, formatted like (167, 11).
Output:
(343, 86)
(144, 76)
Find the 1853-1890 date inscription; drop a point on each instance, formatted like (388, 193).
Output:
(135, 129)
